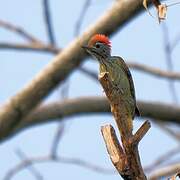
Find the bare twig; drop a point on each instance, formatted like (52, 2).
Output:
(20, 31)
(141, 132)
(85, 164)
(175, 42)
(162, 159)
(169, 62)
(171, 132)
(173, 4)
(154, 71)
(81, 17)
(58, 136)
(48, 22)
(165, 171)
(65, 160)
(29, 47)
(32, 169)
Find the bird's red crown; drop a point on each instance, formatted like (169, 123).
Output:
(99, 38)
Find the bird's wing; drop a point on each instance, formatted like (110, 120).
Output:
(127, 71)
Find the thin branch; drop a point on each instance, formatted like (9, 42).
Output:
(171, 132)
(46, 159)
(29, 47)
(58, 136)
(48, 22)
(175, 42)
(86, 164)
(31, 169)
(173, 4)
(162, 159)
(165, 171)
(20, 31)
(81, 17)
(141, 132)
(17, 107)
(154, 71)
(169, 61)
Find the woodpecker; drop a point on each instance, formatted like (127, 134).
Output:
(99, 46)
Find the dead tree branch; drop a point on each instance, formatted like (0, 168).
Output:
(126, 159)
(48, 22)
(115, 150)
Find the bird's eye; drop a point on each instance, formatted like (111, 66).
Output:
(97, 46)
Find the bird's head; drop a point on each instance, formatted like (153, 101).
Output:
(99, 46)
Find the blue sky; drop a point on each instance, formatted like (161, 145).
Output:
(140, 41)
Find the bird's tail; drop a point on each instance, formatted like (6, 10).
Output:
(137, 111)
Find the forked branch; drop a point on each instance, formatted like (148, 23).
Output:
(114, 148)
(126, 159)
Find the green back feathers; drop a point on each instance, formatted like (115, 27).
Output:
(122, 79)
